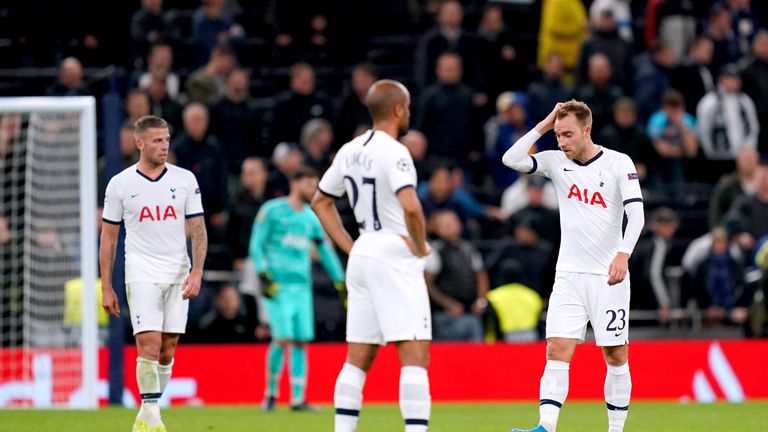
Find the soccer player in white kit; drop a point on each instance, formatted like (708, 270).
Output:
(387, 294)
(595, 187)
(157, 202)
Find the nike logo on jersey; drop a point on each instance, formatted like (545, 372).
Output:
(135, 195)
(566, 169)
(618, 334)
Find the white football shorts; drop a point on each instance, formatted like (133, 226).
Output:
(578, 298)
(157, 307)
(385, 304)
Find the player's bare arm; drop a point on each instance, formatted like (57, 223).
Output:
(107, 263)
(414, 222)
(617, 271)
(325, 209)
(199, 237)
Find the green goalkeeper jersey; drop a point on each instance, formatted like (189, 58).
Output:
(281, 242)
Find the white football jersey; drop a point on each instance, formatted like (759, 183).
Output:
(591, 197)
(371, 169)
(154, 212)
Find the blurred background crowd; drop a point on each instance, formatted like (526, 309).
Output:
(254, 89)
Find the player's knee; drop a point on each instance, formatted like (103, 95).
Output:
(283, 343)
(616, 356)
(149, 351)
(559, 351)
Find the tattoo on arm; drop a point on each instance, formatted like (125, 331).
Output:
(199, 241)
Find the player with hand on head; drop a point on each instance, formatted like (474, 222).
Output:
(281, 243)
(158, 202)
(596, 186)
(387, 294)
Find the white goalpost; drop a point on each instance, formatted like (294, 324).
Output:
(48, 253)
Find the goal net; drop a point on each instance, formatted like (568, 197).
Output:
(48, 307)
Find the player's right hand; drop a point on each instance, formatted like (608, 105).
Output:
(268, 286)
(424, 250)
(109, 301)
(549, 122)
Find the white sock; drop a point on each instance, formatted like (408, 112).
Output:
(618, 387)
(164, 373)
(348, 398)
(552, 393)
(149, 386)
(415, 401)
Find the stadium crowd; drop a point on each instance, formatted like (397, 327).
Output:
(254, 89)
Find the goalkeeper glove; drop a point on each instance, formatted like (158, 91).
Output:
(268, 286)
(341, 287)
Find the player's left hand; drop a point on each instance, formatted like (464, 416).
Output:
(191, 285)
(617, 271)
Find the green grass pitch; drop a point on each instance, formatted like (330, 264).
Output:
(473, 417)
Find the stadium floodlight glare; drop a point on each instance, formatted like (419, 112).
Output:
(48, 333)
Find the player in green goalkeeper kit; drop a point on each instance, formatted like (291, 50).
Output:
(283, 233)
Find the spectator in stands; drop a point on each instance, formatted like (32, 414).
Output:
(209, 83)
(212, 26)
(149, 25)
(437, 193)
(510, 124)
(719, 283)
(236, 122)
(673, 134)
(244, 206)
(652, 77)
(161, 104)
(469, 204)
(447, 35)
(456, 281)
(159, 66)
(599, 92)
(501, 65)
(647, 269)
(544, 219)
(200, 152)
(622, 15)
(605, 39)
(297, 106)
(516, 307)
(751, 211)
(744, 23)
(286, 159)
(755, 83)
(625, 135)
(70, 82)
(692, 76)
(447, 114)
(673, 22)
(230, 321)
(316, 140)
(129, 155)
(562, 30)
(519, 195)
(352, 111)
(536, 255)
(417, 145)
(136, 105)
(719, 28)
(731, 187)
(548, 90)
(727, 122)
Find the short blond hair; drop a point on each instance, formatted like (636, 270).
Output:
(148, 122)
(577, 108)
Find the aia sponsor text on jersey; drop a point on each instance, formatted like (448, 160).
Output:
(155, 214)
(585, 196)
